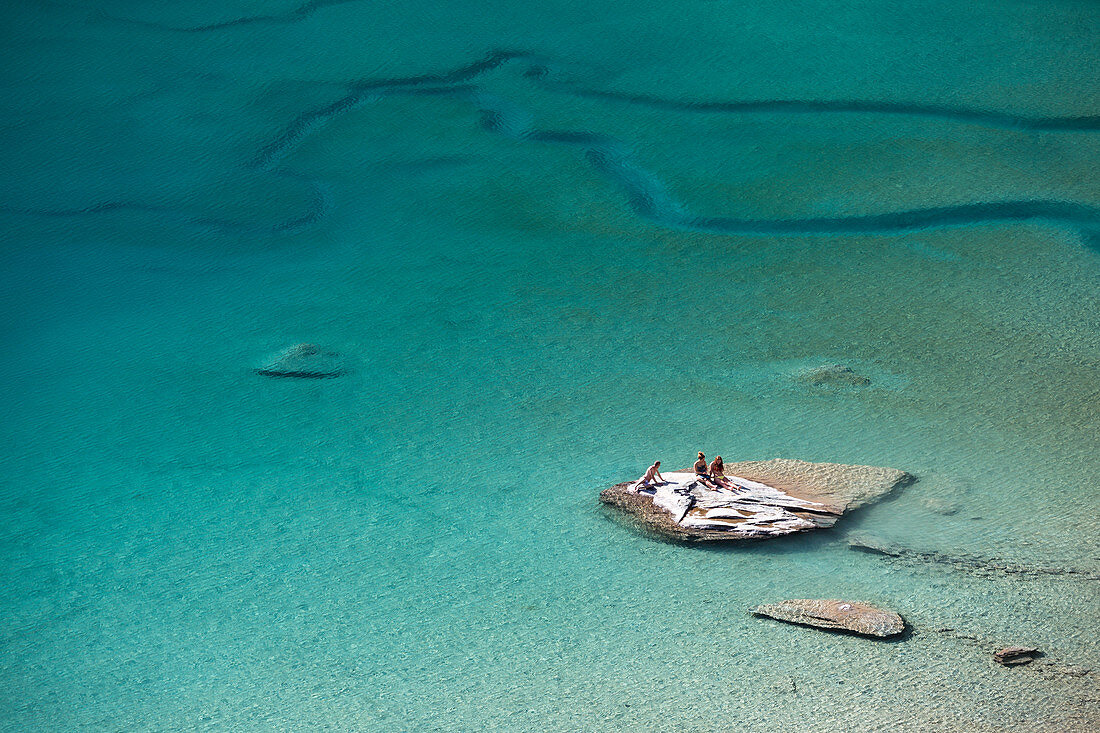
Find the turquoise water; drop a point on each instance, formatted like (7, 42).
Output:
(552, 244)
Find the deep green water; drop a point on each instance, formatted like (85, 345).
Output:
(553, 244)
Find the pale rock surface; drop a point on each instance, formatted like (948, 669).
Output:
(751, 509)
(772, 498)
(854, 616)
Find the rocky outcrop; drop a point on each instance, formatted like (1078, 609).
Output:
(965, 563)
(770, 499)
(304, 361)
(852, 616)
(1047, 667)
(751, 509)
(834, 375)
(1012, 655)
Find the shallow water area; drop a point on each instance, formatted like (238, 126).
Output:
(504, 221)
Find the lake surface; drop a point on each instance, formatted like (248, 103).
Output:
(552, 244)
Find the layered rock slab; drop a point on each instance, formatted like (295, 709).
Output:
(1012, 655)
(856, 617)
(773, 498)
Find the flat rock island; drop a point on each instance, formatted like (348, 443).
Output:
(770, 499)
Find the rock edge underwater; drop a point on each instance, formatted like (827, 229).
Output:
(304, 361)
(779, 497)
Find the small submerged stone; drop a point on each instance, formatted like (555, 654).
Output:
(783, 685)
(939, 505)
(1012, 655)
(304, 361)
(856, 617)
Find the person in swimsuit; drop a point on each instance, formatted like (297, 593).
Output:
(701, 472)
(718, 473)
(652, 472)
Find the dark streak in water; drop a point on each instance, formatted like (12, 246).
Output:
(645, 193)
(648, 196)
(988, 118)
(649, 199)
(363, 91)
(314, 213)
(291, 16)
(1064, 212)
(464, 73)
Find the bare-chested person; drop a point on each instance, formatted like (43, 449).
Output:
(718, 473)
(651, 473)
(701, 472)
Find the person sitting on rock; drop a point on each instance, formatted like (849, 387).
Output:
(652, 472)
(718, 473)
(701, 473)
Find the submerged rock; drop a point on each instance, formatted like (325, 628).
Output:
(946, 507)
(1012, 655)
(783, 685)
(854, 616)
(841, 486)
(304, 361)
(834, 375)
(772, 498)
(1066, 670)
(865, 542)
